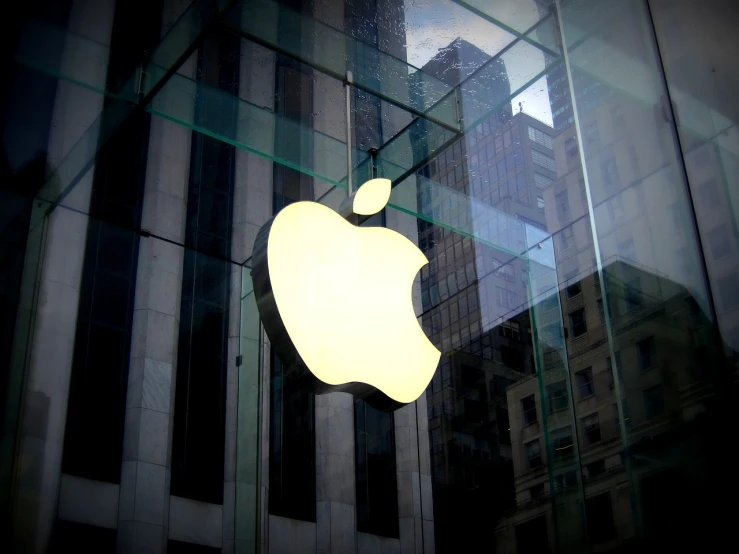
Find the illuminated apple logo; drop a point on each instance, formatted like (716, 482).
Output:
(337, 298)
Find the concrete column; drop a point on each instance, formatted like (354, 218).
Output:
(43, 417)
(336, 521)
(143, 511)
(245, 491)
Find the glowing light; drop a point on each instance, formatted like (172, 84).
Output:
(344, 295)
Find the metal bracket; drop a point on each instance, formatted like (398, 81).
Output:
(138, 82)
(348, 87)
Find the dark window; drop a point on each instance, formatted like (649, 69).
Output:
(510, 329)
(528, 409)
(377, 490)
(601, 313)
(533, 453)
(511, 357)
(585, 384)
(565, 481)
(571, 149)
(654, 403)
(557, 396)
(563, 203)
(633, 294)
(292, 470)
(199, 428)
(574, 287)
(532, 536)
(577, 323)
(93, 438)
(596, 468)
(599, 512)
(562, 441)
(537, 491)
(646, 352)
(590, 429)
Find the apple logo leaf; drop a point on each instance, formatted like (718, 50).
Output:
(371, 197)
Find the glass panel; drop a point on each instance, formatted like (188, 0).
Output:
(706, 120)
(531, 19)
(331, 51)
(248, 446)
(644, 248)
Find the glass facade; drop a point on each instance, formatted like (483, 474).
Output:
(568, 168)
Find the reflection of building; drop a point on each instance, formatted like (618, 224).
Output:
(473, 298)
(663, 338)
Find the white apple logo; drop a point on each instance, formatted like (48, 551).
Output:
(338, 298)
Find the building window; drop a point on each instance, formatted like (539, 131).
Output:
(566, 480)
(541, 181)
(571, 149)
(578, 323)
(654, 403)
(562, 442)
(718, 239)
(599, 512)
(585, 383)
(506, 298)
(563, 203)
(567, 237)
(596, 468)
(646, 352)
(533, 453)
(375, 470)
(537, 491)
(540, 203)
(633, 294)
(528, 409)
(574, 286)
(601, 312)
(510, 329)
(557, 396)
(540, 137)
(292, 472)
(547, 162)
(590, 429)
(609, 169)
